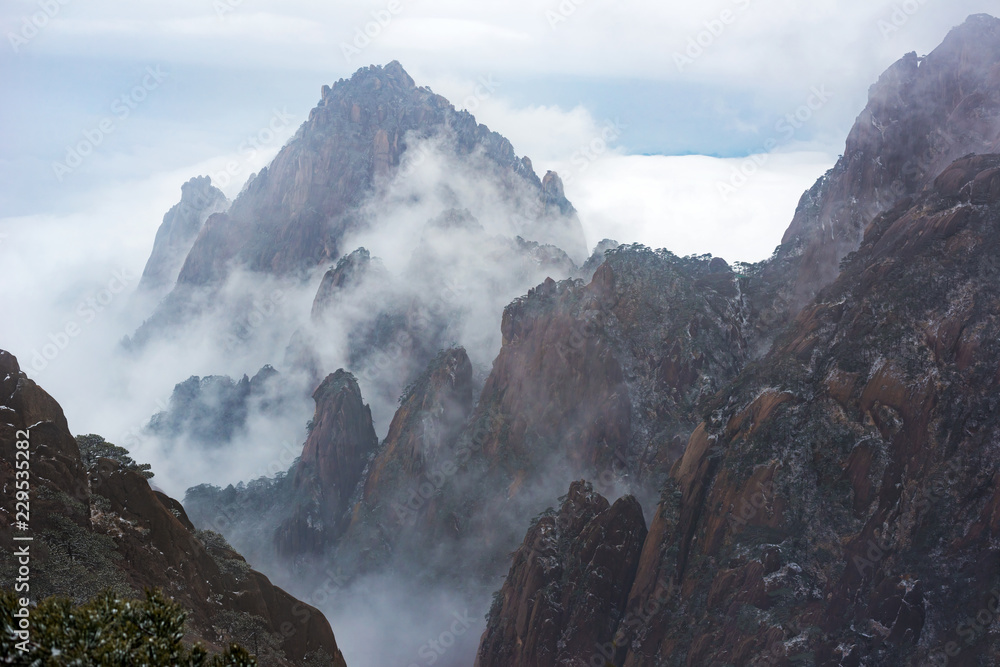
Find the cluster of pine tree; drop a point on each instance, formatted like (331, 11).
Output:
(107, 631)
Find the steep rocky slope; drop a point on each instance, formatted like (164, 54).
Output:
(604, 378)
(418, 457)
(567, 585)
(177, 234)
(839, 502)
(299, 207)
(838, 506)
(104, 527)
(922, 114)
(460, 225)
(335, 455)
(333, 176)
(211, 411)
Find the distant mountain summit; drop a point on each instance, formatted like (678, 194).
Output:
(295, 213)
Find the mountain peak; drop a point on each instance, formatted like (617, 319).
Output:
(978, 21)
(372, 78)
(294, 215)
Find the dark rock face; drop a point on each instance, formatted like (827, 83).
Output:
(351, 271)
(340, 442)
(417, 457)
(211, 411)
(607, 377)
(837, 504)
(108, 528)
(923, 114)
(567, 585)
(840, 503)
(177, 234)
(432, 412)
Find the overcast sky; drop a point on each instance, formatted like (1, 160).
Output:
(646, 108)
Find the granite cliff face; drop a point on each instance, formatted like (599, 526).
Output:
(335, 455)
(567, 584)
(292, 216)
(836, 504)
(176, 236)
(605, 378)
(431, 415)
(922, 114)
(104, 527)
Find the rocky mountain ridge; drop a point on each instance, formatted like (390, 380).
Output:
(922, 114)
(105, 527)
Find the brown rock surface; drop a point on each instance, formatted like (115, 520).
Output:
(340, 442)
(922, 114)
(110, 529)
(567, 584)
(839, 507)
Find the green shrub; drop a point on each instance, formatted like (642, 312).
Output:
(107, 631)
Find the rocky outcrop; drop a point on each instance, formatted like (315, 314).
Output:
(567, 585)
(922, 114)
(432, 412)
(211, 411)
(349, 273)
(839, 505)
(397, 512)
(177, 234)
(105, 527)
(341, 440)
(607, 377)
